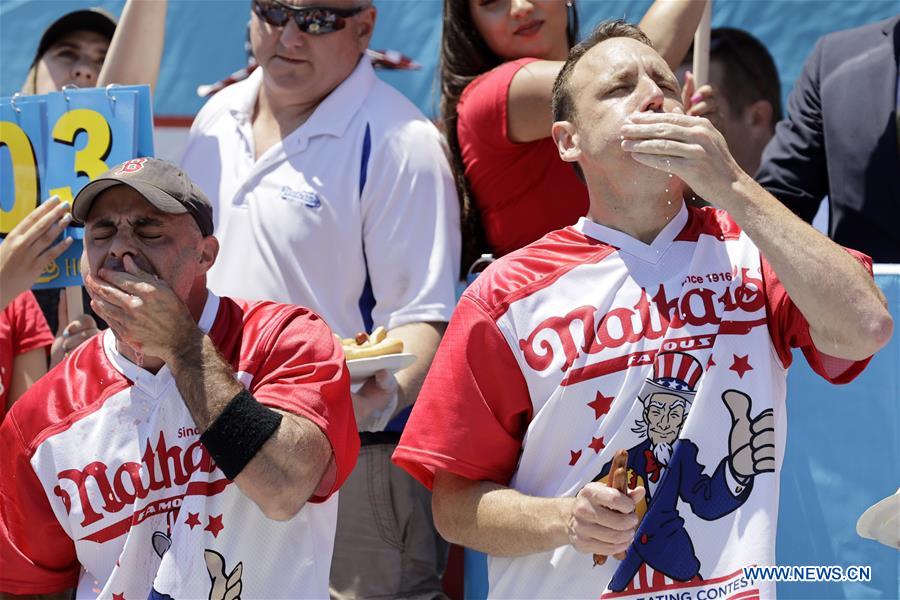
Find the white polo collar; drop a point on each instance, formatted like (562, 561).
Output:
(242, 106)
(652, 252)
(155, 383)
(331, 117)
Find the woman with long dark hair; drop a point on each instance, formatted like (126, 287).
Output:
(499, 59)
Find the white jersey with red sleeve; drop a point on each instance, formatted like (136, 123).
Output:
(589, 341)
(107, 488)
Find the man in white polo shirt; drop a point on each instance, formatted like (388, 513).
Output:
(331, 190)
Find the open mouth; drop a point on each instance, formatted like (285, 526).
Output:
(529, 28)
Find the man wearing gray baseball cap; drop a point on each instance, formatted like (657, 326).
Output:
(186, 394)
(162, 184)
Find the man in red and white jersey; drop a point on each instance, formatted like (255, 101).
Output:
(648, 326)
(191, 450)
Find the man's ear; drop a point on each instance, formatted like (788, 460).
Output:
(566, 139)
(365, 26)
(759, 115)
(208, 251)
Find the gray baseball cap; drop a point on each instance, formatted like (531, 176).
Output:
(161, 183)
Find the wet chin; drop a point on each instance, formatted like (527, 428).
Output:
(653, 177)
(117, 334)
(121, 343)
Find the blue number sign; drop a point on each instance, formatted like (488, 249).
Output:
(56, 143)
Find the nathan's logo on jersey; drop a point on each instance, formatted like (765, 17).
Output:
(161, 467)
(648, 318)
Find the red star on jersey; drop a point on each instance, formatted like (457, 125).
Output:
(741, 365)
(601, 405)
(192, 520)
(215, 525)
(118, 596)
(597, 444)
(710, 363)
(575, 457)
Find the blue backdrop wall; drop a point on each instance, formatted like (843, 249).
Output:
(204, 38)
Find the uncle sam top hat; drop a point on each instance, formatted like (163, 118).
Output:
(677, 373)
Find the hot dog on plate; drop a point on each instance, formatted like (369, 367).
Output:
(370, 345)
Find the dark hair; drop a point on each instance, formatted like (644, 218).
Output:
(464, 56)
(749, 72)
(562, 104)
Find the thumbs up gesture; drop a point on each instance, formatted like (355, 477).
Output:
(225, 586)
(752, 440)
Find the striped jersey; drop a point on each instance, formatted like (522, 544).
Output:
(589, 341)
(107, 488)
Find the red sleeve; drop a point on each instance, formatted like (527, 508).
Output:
(482, 108)
(29, 326)
(36, 554)
(474, 407)
(790, 329)
(303, 372)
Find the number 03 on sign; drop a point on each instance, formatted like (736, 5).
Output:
(56, 143)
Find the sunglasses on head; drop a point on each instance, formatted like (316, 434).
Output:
(315, 20)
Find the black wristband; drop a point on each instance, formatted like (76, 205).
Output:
(239, 432)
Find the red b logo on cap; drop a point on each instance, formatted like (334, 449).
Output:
(132, 166)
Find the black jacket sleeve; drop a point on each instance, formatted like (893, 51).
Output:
(793, 167)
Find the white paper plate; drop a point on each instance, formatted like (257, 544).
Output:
(881, 522)
(363, 368)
